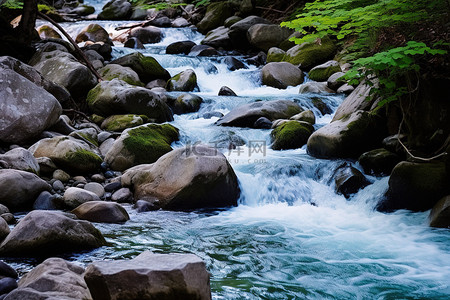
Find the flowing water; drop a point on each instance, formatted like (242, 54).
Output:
(291, 236)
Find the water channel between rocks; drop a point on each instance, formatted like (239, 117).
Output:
(291, 236)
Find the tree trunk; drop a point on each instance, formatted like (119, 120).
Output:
(28, 21)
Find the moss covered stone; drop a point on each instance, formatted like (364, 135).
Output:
(115, 10)
(111, 71)
(291, 135)
(185, 81)
(122, 122)
(308, 55)
(187, 103)
(84, 157)
(215, 16)
(275, 55)
(324, 71)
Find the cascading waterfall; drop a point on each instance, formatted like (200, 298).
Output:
(291, 235)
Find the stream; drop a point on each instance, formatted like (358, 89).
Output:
(291, 236)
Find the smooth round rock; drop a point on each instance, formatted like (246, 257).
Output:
(96, 188)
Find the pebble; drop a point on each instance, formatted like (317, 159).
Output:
(122, 196)
(110, 174)
(103, 136)
(58, 185)
(61, 175)
(113, 186)
(98, 178)
(96, 188)
(80, 179)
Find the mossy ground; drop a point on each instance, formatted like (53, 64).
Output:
(290, 135)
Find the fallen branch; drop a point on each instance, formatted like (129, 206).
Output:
(77, 49)
(142, 24)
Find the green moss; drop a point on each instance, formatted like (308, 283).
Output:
(85, 158)
(88, 138)
(121, 122)
(93, 94)
(290, 135)
(275, 56)
(148, 143)
(312, 54)
(97, 119)
(293, 110)
(322, 74)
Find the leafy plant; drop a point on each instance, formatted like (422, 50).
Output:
(12, 4)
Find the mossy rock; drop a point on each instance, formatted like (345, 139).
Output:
(115, 10)
(187, 103)
(97, 119)
(185, 81)
(122, 122)
(275, 55)
(47, 32)
(379, 161)
(291, 135)
(324, 71)
(111, 71)
(88, 159)
(215, 16)
(308, 55)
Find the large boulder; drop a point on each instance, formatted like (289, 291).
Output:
(347, 137)
(43, 233)
(146, 67)
(266, 36)
(111, 71)
(141, 145)
(55, 278)
(218, 38)
(19, 189)
(19, 159)
(186, 178)
(185, 81)
(94, 33)
(238, 31)
(68, 153)
(26, 108)
(118, 97)
(101, 212)
(416, 186)
(246, 115)
(150, 276)
(378, 161)
(215, 16)
(147, 35)
(308, 55)
(440, 214)
(357, 100)
(281, 75)
(115, 10)
(291, 135)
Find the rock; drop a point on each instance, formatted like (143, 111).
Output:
(20, 189)
(416, 186)
(392, 143)
(157, 83)
(185, 81)
(440, 214)
(61, 175)
(133, 43)
(55, 278)
(143, 206)
(111, 71)
(305, 116)
(218, 38)
(212, 114)
(140, 145)
(308, 55)
(234, 64)
(347, 137)
(94, 33)
(281, 75)
(47, 32)
(7, 271)
(333, 82)
(115, 10)
(187, 103)
(147, 35)
(324, 71)
(180, 22)
(95, 188)
(7, 285)
(146, 67)
(3, 210)
(246, 115)
(47, 201)
(321, 106)
(4, 231)
(68, 153)
(138, 14)
(226, 91)
(103, 49)
(378, 162)
(63, 126)
(64, 69)
(357, 100)
(26, 109)
(203, 50)
(19, 159)
(88, 135)
(83, 10)
(349, 180)
(345, 89)
(291, 135)
(314, 87)
(150, 276)
(238, 31)
(101, 212)
(186, 178)
(215, 16)
(227, 140)
(275, 55)
(43, 233)
(262, 123)
(58, 185)
(9, 218)
(258, 60)
(113, 186)
(266, 36)
(73, 197)
(161, 21)
(122, 122)
(183, 47)
(46, 165)
(117, 97)
(231, 20)
(123, 195)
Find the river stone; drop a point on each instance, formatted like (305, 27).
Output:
(88, 135)
(101, 212)
(68, 153)
(275, 54)
(266, 36)
(133, 43)
(147, 35)
(238, 31)
(150, 276)
(44, 232)
(53, 279)
(180, 22)
(4, 230)
(291, 135)
(19, 189)
(234, 63)
(117, 97)
(349, 180)
(122, 122)
(141, 145)
(308, 55)
(19, 159)
(111, 71)
(123, 195)
(305, 116)
(115, 10)
(324, 71)
(187, 103)
(26, 109)
(47, 201)
(61, 175)
(161, 21)
(73, 197)
(218, 38)
(226, 91)
(416, 186)
(345, 89)
(83, 10)
(440, 214)
(281, 75)
(246, 115)
(203, 50)
(64, 69)
(7, 271)
(185, 81)
(333, 82)
(215, 16)
(347, 137)
(314, 87)
(186, 178)
(357, 100)
(183, 47)
(47, 32)
(94, 33)
(95, 188)
(378, 162)
(146, 67)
